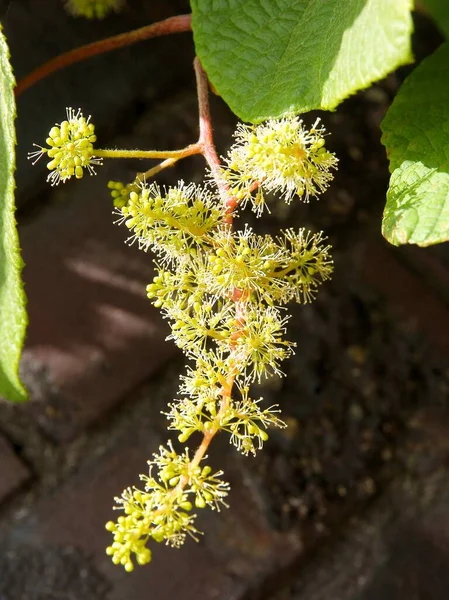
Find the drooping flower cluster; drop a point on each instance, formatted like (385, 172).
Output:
(223, 291)
(70, 148)
(163, 510)
(93, 9)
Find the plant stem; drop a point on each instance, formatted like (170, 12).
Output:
(166, 154)
(210, 154)
(169, 162)
(206, 139)
(209, 435)
(206, 136)
(177, 24)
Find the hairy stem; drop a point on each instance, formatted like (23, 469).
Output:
(230, 202)
(206, 136)
(178, 24)
(142, 177)
(207, 141)
(226, 391)
(166, 154)
(209, 435)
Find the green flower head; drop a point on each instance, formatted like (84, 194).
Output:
(280, 155)
(70, 148)
(93, 9)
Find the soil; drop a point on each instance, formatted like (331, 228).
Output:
(66, 570)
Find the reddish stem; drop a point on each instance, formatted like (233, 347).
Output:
(207, 149)
(240, 297)
(206, 140)
(178, 24)
(206, 135)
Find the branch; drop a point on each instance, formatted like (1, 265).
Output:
(178, 24)
(207, 142)
(165, 154)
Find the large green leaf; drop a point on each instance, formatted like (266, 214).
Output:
(416, 135)
(269, 57)
(439, 10)
(13, 318)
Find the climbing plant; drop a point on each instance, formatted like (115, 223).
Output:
(223, 288)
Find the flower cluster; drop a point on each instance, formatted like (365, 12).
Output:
(197, 293)
(280, 156)
(93, 9)
(120, 192)
(223, 291)
(70, 148)
(243, 419)
(163, 510)
(171, 221)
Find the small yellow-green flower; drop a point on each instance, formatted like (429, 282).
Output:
(163, 510)
(172, 220)
(70, 148)
(120, 192)
(261, 347)
(93, 9)
(279, 155)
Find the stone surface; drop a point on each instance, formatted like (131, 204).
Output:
(93, 334)
(13, 472)
(238, 551)
(67, 572)
(406, 291)
(399, 548)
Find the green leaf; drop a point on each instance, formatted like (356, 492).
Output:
(439, 10)
(13, 317)
(416, 136)
(266, 58)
